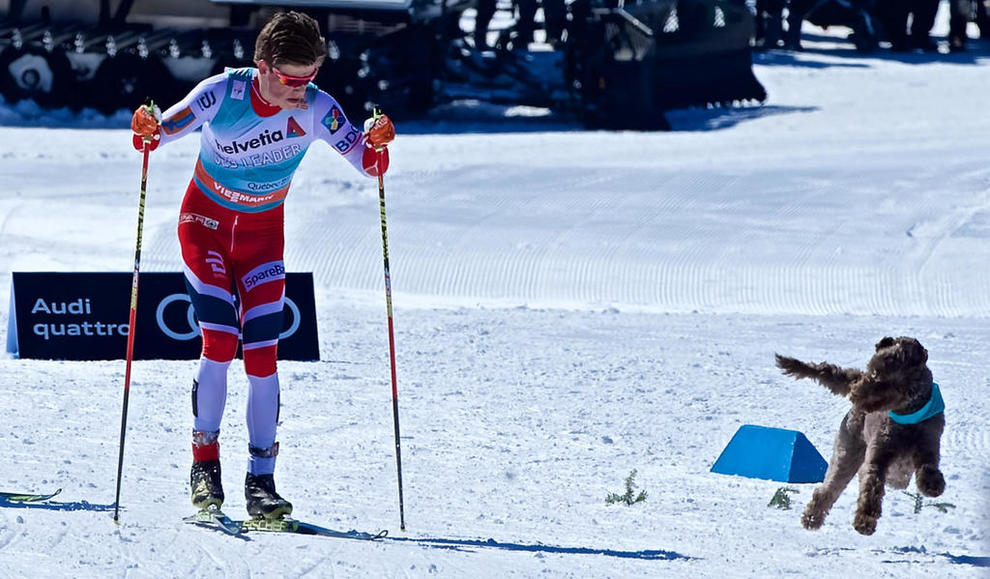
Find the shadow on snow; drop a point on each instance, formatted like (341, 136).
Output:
(470, 544)
(968, 560)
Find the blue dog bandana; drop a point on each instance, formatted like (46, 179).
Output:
(934, 406)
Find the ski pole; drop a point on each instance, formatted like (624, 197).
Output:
(391, 340)
(132, 321)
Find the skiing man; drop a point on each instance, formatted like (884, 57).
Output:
(257, 124)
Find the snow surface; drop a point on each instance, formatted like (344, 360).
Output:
(570, 305)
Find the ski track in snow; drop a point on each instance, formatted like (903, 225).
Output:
(569, 306)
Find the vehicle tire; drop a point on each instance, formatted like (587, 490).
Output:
(36, 74)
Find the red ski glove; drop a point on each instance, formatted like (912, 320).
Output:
(145, 124)
(375, 162)
(379, 131)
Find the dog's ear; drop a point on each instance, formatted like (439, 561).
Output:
(885, 342)
(912, 352)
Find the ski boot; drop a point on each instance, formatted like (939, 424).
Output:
(204, 477)
(262, 500)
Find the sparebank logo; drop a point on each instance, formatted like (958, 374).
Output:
(264, 273)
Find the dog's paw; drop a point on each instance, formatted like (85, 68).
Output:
(812, 520)
(864, 524)
(930, 481)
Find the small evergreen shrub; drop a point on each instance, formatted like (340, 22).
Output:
(782, 499)
(628, 497)
(919, 503)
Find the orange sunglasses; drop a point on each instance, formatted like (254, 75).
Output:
(293, 81)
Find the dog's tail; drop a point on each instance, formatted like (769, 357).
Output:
(836, 379)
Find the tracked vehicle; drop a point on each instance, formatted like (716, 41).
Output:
(620, 64)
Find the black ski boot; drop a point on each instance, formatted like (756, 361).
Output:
(262, 500)
(204, 476)
(207, 488)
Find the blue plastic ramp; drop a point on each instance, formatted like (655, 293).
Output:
(773, 454)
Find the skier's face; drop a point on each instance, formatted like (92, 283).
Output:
(285, 85)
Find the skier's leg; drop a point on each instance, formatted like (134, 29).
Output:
(261, 320)
(262, 417)
(208, 402)
(262, 324)
(203, 232)
(260, 280)
(214, 307)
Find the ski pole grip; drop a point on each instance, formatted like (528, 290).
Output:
(149, 105)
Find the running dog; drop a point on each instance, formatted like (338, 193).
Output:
(892, 431)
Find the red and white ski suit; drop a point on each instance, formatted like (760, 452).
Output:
(231, 232)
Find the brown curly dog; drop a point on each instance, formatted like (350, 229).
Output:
(892, 430)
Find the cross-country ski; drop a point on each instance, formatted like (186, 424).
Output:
(13, 497)
(215, 519)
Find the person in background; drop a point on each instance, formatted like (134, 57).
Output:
(554, 15)
(257, 124)
(894, 15)
(770, 23)
(960, 14)
(554, 20)
(484, 11)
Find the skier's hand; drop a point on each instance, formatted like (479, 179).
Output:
(145, 123)
(375, 161)
(379, 131)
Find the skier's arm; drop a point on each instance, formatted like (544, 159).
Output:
(332, 126)
(182, 118)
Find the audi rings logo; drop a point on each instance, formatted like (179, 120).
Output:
(182, 326)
